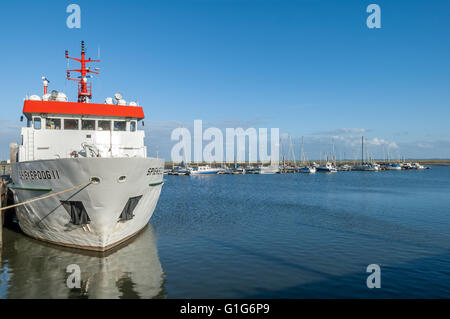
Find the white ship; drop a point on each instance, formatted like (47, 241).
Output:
(131, 270)
(97, 151)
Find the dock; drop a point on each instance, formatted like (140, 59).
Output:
(4, 194)
(291, 167)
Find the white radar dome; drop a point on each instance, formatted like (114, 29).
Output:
(109, 100)
(35, 98)
(132, 104)
(61, 97)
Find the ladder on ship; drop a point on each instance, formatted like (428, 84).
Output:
(30, 145)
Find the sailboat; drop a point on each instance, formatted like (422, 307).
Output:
(306, 169)
(365, 167)
(328, 167)
(394, 167)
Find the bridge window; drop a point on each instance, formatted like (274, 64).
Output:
(133, 126)
(88, 125)
(104, 125)
(120, 126)
(70, 124)
(37, 123)
(53, 124)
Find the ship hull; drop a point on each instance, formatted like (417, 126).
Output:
(118, 180)
(267, 170)
(394, 168)
(212, 172)
(307, 170)
(326, 170)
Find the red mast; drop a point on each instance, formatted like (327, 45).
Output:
(84, 88)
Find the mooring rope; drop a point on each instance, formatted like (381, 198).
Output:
(46, 196)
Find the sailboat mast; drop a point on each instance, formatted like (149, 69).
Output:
(362, 150)
(303, 154)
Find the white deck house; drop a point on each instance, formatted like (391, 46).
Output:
(69, 129)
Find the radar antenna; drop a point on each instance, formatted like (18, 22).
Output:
(84, 88)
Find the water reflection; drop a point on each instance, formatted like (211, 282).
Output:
(32, 269)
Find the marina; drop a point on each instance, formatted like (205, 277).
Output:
(366, 164)
(259, 168)
(225, 154)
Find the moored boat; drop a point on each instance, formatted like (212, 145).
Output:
(417, 166)
(366, 167)
(327, 168)
(271, 169)
(307, 170)
(91, 161)
(394, 167)
(203, 170)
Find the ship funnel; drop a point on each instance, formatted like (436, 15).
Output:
(45, 81)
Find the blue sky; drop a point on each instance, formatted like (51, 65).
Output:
(311, 68)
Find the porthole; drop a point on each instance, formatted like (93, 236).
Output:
(122, 179)
(95, 180)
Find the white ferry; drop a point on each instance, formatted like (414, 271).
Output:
(95, 149)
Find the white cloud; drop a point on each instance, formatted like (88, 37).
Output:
(342, 131)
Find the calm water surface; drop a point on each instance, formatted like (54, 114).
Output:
(261, 236)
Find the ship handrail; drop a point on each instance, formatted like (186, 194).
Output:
(29, 188)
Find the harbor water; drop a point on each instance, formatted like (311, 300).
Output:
(261, 236)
